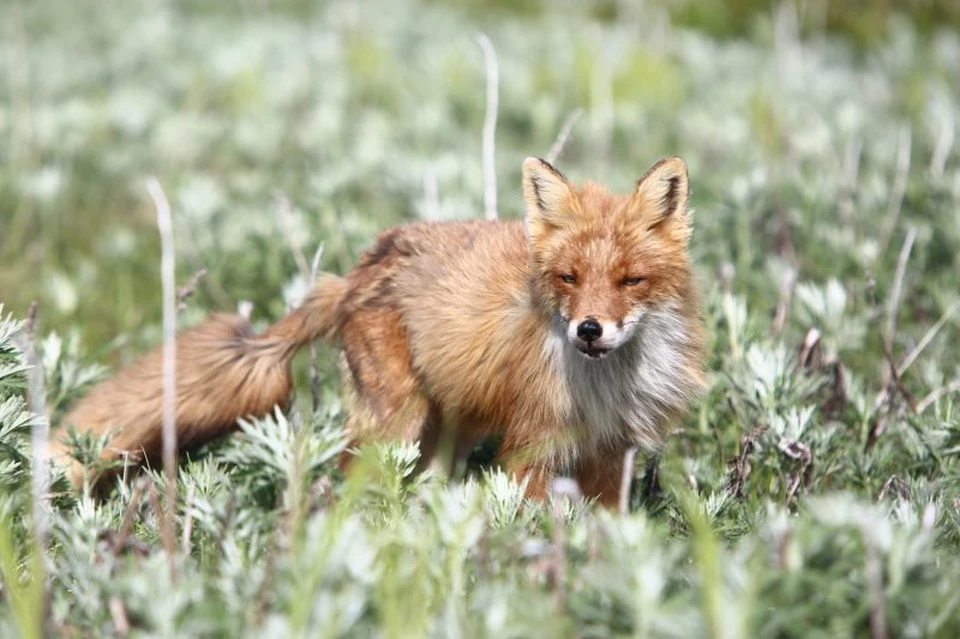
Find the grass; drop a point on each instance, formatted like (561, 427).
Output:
(810, 493)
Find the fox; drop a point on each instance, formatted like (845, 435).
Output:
(573, 335)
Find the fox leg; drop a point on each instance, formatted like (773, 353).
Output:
(597, 478)
(382, 394)
(528, 467)
(537, 478)
(601, 476)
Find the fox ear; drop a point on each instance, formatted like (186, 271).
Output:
(662, 193)
(548, 197)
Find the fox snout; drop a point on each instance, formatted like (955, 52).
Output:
(590, 330)
(589, 338)
(596, 338)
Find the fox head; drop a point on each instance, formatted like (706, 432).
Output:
(602, 261)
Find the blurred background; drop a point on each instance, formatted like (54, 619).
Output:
(814, 131)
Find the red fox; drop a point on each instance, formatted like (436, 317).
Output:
(574, 334)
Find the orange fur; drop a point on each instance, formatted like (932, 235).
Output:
(224, 372)
(472, 327)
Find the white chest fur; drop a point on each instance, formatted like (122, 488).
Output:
(625, 397)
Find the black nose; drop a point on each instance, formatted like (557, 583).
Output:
(589, 330)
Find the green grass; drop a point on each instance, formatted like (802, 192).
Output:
(791, 502)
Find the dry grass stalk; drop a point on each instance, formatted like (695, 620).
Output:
(167, 276)
(557, 148)
(490, 127)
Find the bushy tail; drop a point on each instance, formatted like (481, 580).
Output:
(223, 372)
(315, 318)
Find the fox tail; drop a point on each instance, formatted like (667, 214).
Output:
(223, 372)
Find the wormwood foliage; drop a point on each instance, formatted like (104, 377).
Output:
(813, 492)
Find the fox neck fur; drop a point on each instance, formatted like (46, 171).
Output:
(629, 395)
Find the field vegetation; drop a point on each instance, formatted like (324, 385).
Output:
(813, 492)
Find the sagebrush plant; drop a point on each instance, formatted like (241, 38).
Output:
(814, 491)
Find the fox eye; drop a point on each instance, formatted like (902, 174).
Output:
(569, 278)
(631, 281)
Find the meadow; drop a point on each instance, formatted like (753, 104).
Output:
(813, 492)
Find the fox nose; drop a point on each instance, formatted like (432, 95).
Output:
(589, 330)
